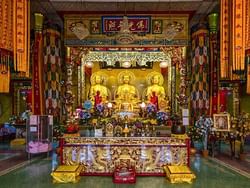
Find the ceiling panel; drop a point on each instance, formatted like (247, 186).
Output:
(51, 8)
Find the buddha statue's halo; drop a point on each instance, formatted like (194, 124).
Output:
(151, 75)
(103, 76)
(126, 73)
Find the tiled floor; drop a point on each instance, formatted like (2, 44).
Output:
(209, 174)
(11, 157)
(4, 156)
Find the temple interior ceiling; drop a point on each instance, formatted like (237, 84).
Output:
(54, 9)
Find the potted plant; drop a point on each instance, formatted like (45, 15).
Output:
(58, 131)
(242, 129)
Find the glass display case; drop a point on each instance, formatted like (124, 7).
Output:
(39, 134)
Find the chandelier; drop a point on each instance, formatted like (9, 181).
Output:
(125, 36)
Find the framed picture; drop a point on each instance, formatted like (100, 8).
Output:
(95, 26)
(222, 122)
(157, 26)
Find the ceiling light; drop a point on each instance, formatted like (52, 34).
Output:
(163, 64)
(126, 64)
(89, 64)
(110, 105)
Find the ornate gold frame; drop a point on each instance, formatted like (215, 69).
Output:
(222, 122)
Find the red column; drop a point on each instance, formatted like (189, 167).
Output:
(37, 75)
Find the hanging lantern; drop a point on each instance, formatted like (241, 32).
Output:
(110, 105)
(163, 64)
(143, 105)
(126, 64)
(89, 64)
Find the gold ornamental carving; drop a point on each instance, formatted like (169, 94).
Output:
(103, 155)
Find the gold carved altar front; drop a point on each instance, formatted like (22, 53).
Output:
(147, 154)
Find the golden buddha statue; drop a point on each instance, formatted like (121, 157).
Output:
(98, 93)
(155, 93)
(126, 94)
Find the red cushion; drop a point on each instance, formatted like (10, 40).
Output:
(124, 175)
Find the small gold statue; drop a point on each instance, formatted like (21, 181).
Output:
(109, 130)
(126, 129)
(118, 131)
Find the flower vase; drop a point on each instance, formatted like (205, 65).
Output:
(192, 148)
(205, 142)
(205, 153)
(198, 146)
(169, 123)
(178, 129)
(58, 151)
(193, 151)
(242, 156)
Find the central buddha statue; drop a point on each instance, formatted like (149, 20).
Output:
(126, 96)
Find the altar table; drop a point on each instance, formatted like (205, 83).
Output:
(102, 155)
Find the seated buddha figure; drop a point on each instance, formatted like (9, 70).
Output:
(98, 93)
(126, 94)
(155, 93)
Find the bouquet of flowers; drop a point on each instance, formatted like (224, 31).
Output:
(195, 134)
(242, 129)
(84, 116)
(161, 117)
(203, 124)
(12, 119)
(25, 115)
(58, 130)
(151, 110)
(72, 128)
(99, 109)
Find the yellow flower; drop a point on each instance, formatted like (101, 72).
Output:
(153, 121)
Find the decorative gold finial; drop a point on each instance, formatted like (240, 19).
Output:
(38, 21)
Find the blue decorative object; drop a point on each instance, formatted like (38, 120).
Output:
(10, 129)
(87, 105)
